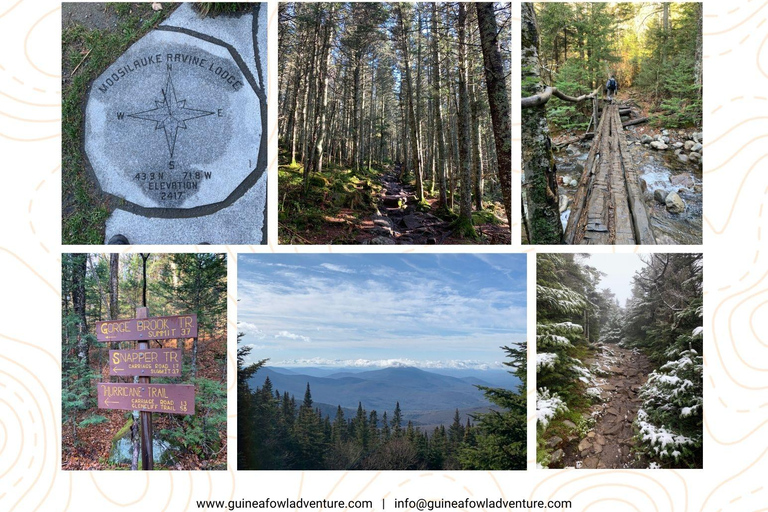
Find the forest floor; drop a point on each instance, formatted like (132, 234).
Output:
(371, 208)
(609, 443)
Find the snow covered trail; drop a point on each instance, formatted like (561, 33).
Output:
(609, 443)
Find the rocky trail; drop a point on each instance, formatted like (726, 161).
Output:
(609, 443)
(399, 221)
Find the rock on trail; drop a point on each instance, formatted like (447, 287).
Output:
(609, 444)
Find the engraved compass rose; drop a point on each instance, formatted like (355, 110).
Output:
(170, 114)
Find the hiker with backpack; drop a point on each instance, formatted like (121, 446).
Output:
(611, 87)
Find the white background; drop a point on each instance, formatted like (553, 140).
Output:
(736, 305)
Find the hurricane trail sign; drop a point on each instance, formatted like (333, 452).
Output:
(168, 398)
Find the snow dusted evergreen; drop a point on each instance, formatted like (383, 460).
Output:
(662, 321)
(565, 314)
(547, 406)
(668, 302)
(546, 360)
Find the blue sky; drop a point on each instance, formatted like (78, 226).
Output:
(425, 310)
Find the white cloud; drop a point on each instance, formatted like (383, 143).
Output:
(389, 363)
(292, 336)
(251, 330)
(337, 268)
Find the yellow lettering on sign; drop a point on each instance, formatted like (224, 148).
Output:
(113, 327)
(157, 392)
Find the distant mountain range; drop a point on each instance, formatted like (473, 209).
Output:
(426, 397)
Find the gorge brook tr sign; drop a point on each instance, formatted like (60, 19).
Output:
(140, 329)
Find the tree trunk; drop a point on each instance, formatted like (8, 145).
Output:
(698, 53)
(114, 269)
(414, 142)
(540, 194)
(465, 205)
(440, 139)
(323, 106)
(79, 262)
(498, 99)
(477, 163)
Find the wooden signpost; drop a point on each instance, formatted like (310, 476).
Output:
(145, 363)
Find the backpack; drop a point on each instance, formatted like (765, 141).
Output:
(611, 84)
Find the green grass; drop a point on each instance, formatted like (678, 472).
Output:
(85, 210)
(216, 8)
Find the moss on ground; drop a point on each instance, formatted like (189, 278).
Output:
(304, 212)
(86, 53)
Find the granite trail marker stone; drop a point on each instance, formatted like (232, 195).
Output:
(176, 129)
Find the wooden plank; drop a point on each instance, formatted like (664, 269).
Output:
(640, 219)
(609, 207)
(622, 232)
(583, 188)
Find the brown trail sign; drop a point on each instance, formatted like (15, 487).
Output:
(146, 363)
(167, 398)
(140, 329)
(155, 362)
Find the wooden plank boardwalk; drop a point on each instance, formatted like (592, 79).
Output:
(608, 208)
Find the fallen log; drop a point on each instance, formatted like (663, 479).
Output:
(578, 138)
(540, 99)
(635, 121)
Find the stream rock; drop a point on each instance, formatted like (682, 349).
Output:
(646, 139)
(674, 203)
(657, 144)
(660, 195)
(682, 180)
